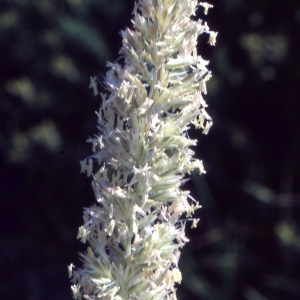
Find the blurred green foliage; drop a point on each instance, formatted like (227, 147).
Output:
(247, 244)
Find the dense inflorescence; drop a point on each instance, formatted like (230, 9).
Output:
(142, 155)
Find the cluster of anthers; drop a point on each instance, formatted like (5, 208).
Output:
(142, 155)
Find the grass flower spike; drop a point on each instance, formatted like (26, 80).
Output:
(141, 156)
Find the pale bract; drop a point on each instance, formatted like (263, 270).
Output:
(141, 156)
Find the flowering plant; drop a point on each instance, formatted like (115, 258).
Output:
(142, 154)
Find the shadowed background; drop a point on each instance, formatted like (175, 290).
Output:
(247, 244)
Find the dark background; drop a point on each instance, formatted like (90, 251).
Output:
(247, 244)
